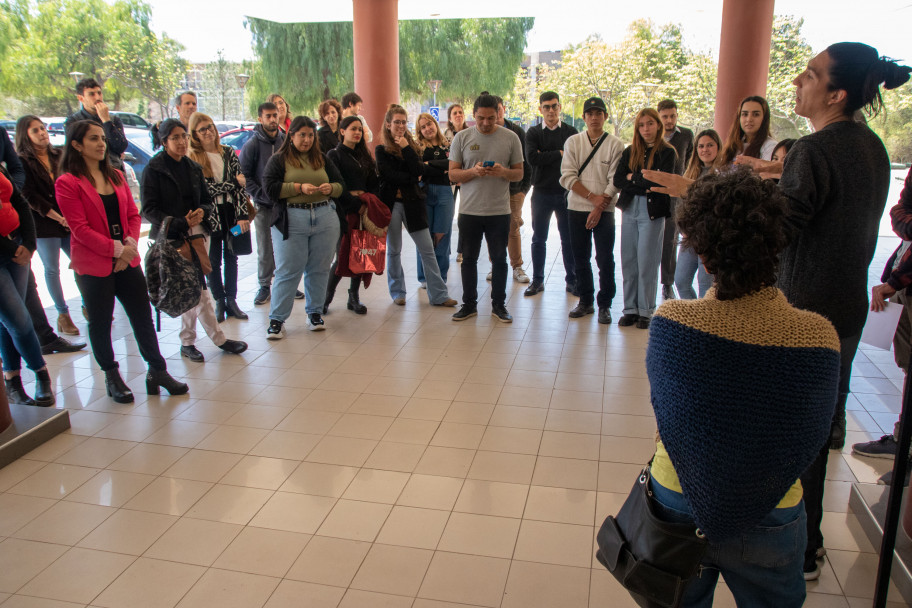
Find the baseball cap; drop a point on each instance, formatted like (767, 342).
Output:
(594, 103)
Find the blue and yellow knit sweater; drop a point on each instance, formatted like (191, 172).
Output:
(743, 392)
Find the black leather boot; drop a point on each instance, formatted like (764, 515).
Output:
(233, 310)
(331, 290)
(354, 303)
(44, 393)
(838, 429)
(117, 389)
(161, 378)
(15, 392)
(220, 309)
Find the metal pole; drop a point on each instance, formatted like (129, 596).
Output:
(894, 502)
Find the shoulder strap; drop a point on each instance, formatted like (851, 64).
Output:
(591, 154)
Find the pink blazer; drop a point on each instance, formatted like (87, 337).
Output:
(91, 245)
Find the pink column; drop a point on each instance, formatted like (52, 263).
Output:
(376, 36)
(744, 52)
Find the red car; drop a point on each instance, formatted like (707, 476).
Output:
(236, 138)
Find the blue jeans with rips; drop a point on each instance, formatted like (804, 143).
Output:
(441, 207)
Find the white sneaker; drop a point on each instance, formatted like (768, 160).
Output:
(276, 330)
(490, 276)
(519, 275)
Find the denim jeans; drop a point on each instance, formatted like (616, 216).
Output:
(17, 335)
(441, 206)
(436, 288)
(309, 250)
(543, 205)
(495, 229)
(762, 567)
(227, 289)
(581, 239)
(49, 252)
(129, 287)
(266, 264)
(641, 252)
(689, 264)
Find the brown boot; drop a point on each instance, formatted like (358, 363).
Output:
(65, 325)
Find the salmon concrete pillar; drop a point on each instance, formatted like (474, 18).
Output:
(375, 25)
(744, 53)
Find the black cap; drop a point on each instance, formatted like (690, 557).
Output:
(594, 103)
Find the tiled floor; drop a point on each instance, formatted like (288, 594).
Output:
(396, 459)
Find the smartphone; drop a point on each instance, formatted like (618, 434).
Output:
(488, 163)
(236, 231)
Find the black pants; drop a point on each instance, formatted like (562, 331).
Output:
(670, 248)
(228, 289)
(581, 239)
(812, 480)
(544, 204)
(43, 329)
(495, 229)
(128, 286)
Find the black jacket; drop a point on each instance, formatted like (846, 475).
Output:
(436, 161)
(39, 191)
(26, 228)
(254, 156)
(683, 142)
(544, 152)
(525, 183)
(328, 140)
(274, 177)
(114, 132)
(161, 196)
(355, 176)
(402, 175)
(9, 157)
(658, 205)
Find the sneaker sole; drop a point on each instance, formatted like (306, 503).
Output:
(868, 455)
(468, 316)
(316, 327)
(812, 576)
(276, 336)
(501, 320)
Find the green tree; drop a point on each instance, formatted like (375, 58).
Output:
(310, 62)
(220, 95)
(789, 55)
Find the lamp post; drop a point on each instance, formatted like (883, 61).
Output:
(435, 85)
(242, 83)
(649, 89)
(77, 76)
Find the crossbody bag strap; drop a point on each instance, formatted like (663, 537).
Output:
(591, 154)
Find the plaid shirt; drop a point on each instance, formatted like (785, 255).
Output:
(901, 218)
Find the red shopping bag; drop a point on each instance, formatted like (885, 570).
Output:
(367, 254)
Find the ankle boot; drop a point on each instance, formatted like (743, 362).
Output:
(117, 389)
(161, 378)
(15, 392)
(233, 310)
(220, 309)
(66, 326)
(44, 393)
(330, 291)
(354, 303)
(838, 430)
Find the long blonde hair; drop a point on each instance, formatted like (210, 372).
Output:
(638, 147)
(386, 137)
(197, 152)
(439, 138)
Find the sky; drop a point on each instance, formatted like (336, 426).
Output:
(883, 24)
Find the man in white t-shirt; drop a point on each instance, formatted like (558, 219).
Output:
(484, 160)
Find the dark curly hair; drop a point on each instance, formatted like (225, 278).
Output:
(734, 221)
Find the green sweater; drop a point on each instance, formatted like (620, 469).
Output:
(306, 175)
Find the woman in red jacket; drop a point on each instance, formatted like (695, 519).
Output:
(104, 223)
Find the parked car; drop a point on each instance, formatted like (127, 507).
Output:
(9, 125)
(236, 138)
(139, 150)
(223, 126)
(55, 130)
(130, 119)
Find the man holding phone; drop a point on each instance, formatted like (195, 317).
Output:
(484, 160)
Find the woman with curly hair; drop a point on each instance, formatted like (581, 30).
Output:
(330, 112)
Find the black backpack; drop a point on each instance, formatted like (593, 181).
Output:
(173, 282)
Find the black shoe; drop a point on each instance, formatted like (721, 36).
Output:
(643, 323)
(116, 388)
(276, 330)
(885, 447)
(627, 320)
(811, 568)
(330, 294)
(315, 322)
(192, 353)
(44, 393)
(220, 310)
(161, 378)
(499, 311)
(15, 392)
(838, 431)
(668, 292)
(299, 295)
(465, 312)
(572, 290)
(535, 288)
(604, 316)
(354, 303)
(262, 295)
(235, 347)
(61, 345)
(233, 310)
(581, 310)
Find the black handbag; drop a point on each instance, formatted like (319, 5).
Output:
(173, 281)
(653, 559)
(239, 244)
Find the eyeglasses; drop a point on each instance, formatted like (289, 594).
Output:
(205, 129)
(400, 123)
(550, 106)
(179, 138)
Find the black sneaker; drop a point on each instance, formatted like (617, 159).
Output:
(192, 353)
(604, 316)
(315, 322)
(500, 312)
(262, 295)
(276, 330)
(299, 295)
(535, 288)
(811, 568)
(465, 312)
(643, 323)
(885, 447)
(628, 320)
(581, 310)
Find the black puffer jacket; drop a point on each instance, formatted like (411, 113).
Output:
(162, 196)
